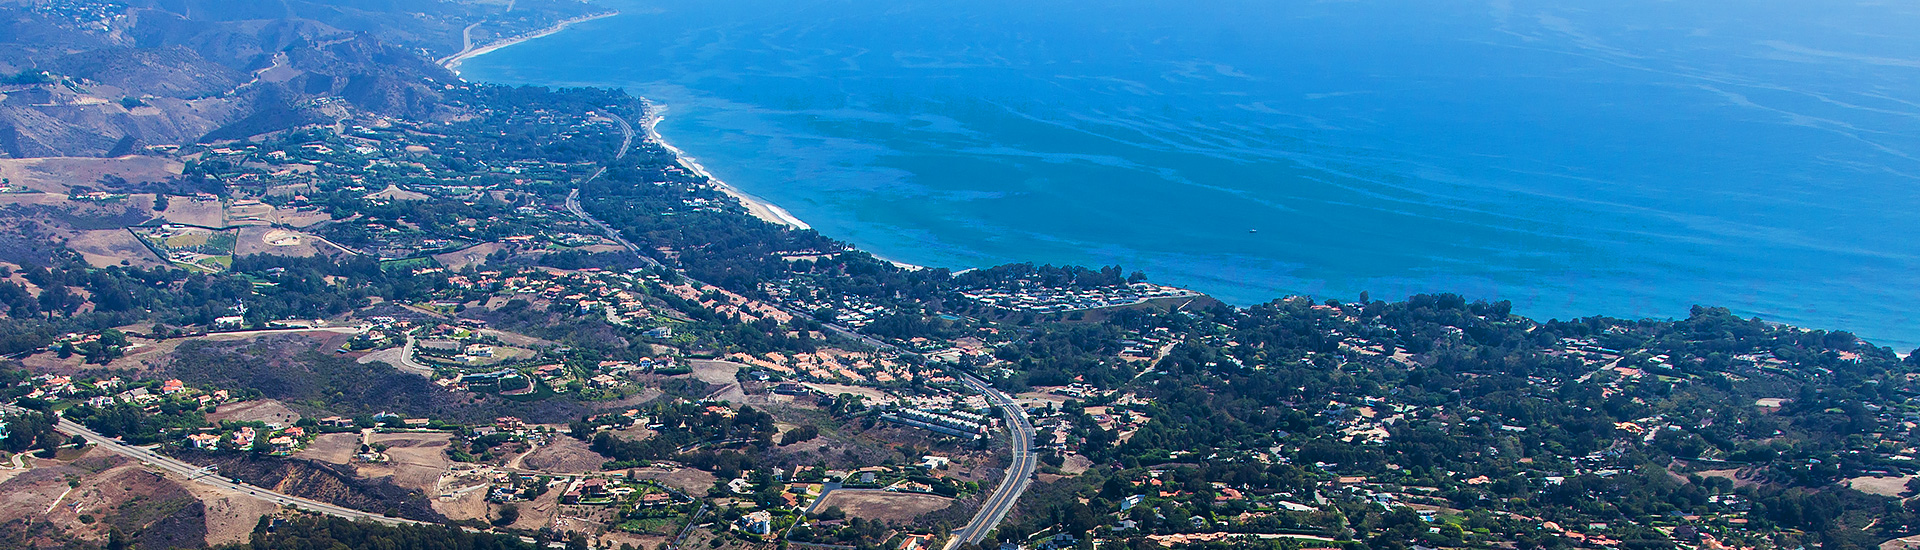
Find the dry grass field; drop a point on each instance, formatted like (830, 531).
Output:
(58, 174)
(1883, 486)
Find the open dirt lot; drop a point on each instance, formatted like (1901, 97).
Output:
(465, 503)
(563, 455)
(874, 396)
(685, 479)
(720, 373)
(517, 339)
(1883, 486)
(472, 255)
(190, 211)
(230, 516)
(332, 448)
(418, 459)
(882, 505)
(262, 410)
(278, 242)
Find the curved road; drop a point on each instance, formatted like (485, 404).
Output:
(1019, 473)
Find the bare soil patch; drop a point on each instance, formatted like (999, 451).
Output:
(716, 372)
(230, 515)
(277, 242)
(261, 410)
(189, 211)
(564, 455)
(1076, 464)
(468, 504)
(685, 479)
(472, 255)
(1883, 486)
(517, 339)
(416, 459)
(332, 448)
(881, 505)
(874, 396)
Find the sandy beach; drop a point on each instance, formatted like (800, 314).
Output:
(452, 62)
(756, 206)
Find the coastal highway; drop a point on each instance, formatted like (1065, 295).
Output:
(1019, 473)
(201, 475)
(573, 196)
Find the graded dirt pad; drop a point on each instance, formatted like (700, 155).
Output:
(472, 255)
(723, 374)
(688, 480)
(517, 339)
(1076, 464)
(58, 174)
(620, 538)
(277, 242)
(874, 396)
(1041, 399)
(332, 448)
(259, 410)
(882, 505)
(192, 211)
(465, 504)
(1883, 486)
(297, 217)
(417, 459)
(563, 455)
(715, 372)
(536, 513)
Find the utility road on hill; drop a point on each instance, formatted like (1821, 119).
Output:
(202, 475)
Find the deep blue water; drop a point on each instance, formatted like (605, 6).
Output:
(1627, 158)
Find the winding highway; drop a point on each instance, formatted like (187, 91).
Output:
(1019, 472)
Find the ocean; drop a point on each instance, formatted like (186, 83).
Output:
(1628, 158)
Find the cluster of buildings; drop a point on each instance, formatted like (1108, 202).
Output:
(1026, 296)
(961, 424)
(833, 365)
(802, 294)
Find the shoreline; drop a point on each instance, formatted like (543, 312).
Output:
(452, 62)
(757, 207)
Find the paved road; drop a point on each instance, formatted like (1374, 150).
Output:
(573, 197)
(202, 475)
(1019, 473)
(407, 362)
